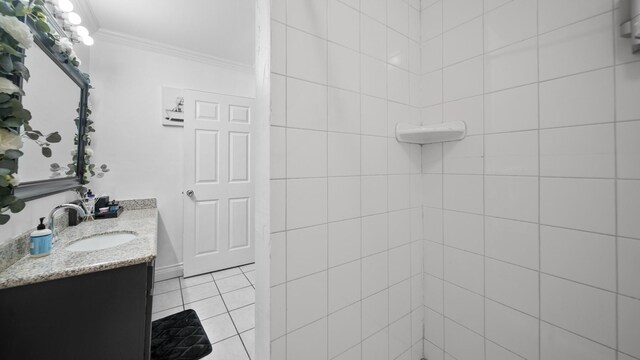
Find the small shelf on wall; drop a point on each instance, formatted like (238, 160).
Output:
(428, 134)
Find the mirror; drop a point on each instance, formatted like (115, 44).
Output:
(56, 95)
(55, 114)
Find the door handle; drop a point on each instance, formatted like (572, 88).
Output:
(190, 193)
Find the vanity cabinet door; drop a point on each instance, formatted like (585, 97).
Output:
(103, 315)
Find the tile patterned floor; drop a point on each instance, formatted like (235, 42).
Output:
(225, 303)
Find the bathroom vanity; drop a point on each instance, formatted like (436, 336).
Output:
(88, 302)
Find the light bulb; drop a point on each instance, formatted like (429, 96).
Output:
(87, 40)
(74, 19)
(81, 31)
(65, 5)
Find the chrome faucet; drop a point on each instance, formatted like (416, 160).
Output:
(51, 222)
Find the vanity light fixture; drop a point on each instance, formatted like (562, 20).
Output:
(65, 5)
(73, 18)
(67, 22)
(87, 40)
(81, 31)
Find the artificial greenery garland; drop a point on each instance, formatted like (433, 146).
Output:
(15, 37)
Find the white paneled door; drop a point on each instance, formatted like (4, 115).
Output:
(219, 199)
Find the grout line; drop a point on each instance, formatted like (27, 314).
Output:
(615, 196)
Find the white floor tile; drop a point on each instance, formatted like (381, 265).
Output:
(195, 280)
(230, 349)
(219, 328)
(161, 287)
(251, 275)
(199, 292)
(248, 267)
(167, 300)
(249, 340)
(165, 313)
(244, 318)
(239, 298)
(208, 307)
(232, 283)
(226, 273)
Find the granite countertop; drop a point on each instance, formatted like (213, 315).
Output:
(62, 263)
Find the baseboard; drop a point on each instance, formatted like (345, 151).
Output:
(169, 272)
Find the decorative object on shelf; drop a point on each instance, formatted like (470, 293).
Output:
(173, 107)
(427, 134)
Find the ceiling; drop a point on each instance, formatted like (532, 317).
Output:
(217, 28)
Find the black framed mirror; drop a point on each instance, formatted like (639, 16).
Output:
(58, 100)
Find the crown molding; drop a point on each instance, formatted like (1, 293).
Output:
(149, 45)
(88, 16)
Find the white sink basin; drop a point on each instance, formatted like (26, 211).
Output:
(103, 241)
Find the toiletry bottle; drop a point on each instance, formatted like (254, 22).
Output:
(90, 201)
(40, 241)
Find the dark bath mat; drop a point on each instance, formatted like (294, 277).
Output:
(179, 337)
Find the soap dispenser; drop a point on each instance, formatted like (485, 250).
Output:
(40, 241)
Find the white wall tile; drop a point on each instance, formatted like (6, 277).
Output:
(462, 80)
(374, 195)
(511, 153)
(431, 55)
(306, 105)
(306, 251)
(462, 193)
(456, 12)
(397, 49)
(512, 197)
(462, 342)
(579, 99)
(464, 307)
(511, 66)
(398, 16)
(344, 154)
(508, 24)
(628, 208)
(377, 9)
(306, 300)
(468, 237)
(377, 346)
(372, 81)
(343, 111)
(497, 352)
(511, 110)
(583, 204)
(434, 327)
(399, 337)
(464, 269)
(373, 116)
(555, 14)
(432, 220)
(399, 192)
(308, 16)
(278, 154)
(512, 241)
(343, 68)
(628, 267)
(469, 110)
(431, 88)
(374, 155)
(627, 86)
(501, 279)
(399, 300)
(306, 56)
(278, 205)
(343, 24)
(590, 152)
(374, 234)
(306, 153)
(627, 149)
(556, 343)
(308, 342)
(587, 311)
(344, 239)
(399, 228)
(629, 325)
(431, 20)
(371, 31)
(278, 258)
(433, 259)
(464, 156)
(583, 257)
(433, 289)
(462, 42)
(513, 330)
(344, 198)
(344, 285)
(306, 202)
(344, 329)
(375, 313)
(397, 84)
(278, 310)
(278, 48)
(374, 274)
(583, 46)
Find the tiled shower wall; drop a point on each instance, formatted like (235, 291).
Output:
(532, 223)
(346, 197)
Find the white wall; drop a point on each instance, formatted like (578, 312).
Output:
(531, 222)
(345, 203)
(146, 158)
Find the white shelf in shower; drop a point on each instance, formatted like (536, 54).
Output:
(428, 134)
